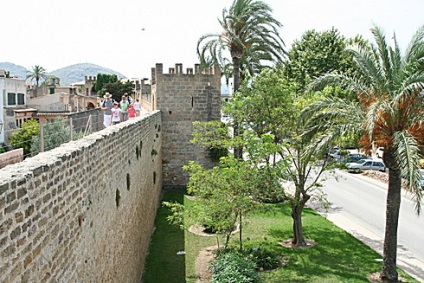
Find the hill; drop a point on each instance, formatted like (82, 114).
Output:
(67, 75)
(15, 70)
(76, 73)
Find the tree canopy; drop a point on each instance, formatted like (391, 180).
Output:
(318, 53)
(249, 36)
(37, 73)
(110, 83)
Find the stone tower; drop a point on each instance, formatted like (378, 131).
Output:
(184, 98)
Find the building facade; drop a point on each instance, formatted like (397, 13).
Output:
(13, 97)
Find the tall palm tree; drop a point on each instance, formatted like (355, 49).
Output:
(250, 36)
(390, 112)
(37, 74)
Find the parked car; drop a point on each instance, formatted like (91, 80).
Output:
(367, 165)
(422, 179)
(380, 151)
(343, 154)
(336, 155)
(354, 158)
(359, 161)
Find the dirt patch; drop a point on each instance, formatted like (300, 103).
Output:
(288, 244)
(200, 230)
(205, 257)
(377, 175)
(375, 278)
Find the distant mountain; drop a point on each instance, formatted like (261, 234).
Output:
(67, 75)
(15, 70)
(76, 73)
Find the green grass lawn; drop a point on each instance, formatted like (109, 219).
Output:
(336, 257)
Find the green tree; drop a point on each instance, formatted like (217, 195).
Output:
(54, 134)
(269, 106)
(226, 193)
(23, 137)
(390, 113)
(37, 73)
(110, 83)
(98, 85)
(223, 197)
(250, 35)
(318, 53)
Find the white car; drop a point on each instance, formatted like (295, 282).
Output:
(360, 161)
(367, 165)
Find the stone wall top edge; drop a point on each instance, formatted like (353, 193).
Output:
(49, 158)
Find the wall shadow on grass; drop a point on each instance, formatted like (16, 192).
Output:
(163, 264)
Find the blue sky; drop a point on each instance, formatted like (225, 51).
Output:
(55, 34)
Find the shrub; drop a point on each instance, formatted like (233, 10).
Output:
(3, 147)
(264, 259)
(234, 267)
(55, 134)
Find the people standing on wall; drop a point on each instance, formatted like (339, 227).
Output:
(116, 116)
(131, 111)
(137, 107)
(107, 106)
(124, 108)
(128, 98)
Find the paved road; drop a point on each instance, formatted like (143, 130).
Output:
(359, 205)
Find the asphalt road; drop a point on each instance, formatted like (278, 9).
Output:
(359, 205)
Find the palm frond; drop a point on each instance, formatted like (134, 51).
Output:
(408, 158)
(416, 44)
(384, 53)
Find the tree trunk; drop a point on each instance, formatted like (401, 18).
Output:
(298, 239)
(238, 151)
(389, 273)
(236, 72)
(241, 232)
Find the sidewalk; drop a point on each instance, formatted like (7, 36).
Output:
(405, 259)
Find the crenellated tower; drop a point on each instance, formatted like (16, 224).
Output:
(184, 98)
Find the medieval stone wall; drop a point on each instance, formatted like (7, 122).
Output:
(83, 212)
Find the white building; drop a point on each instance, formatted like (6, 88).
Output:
(13, 97)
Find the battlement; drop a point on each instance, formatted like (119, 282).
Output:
(90, 79)
(178, 70)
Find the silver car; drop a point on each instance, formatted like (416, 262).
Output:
(367, 165)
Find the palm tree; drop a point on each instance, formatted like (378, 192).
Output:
(37, 74)
(250, 36)
(390, 112)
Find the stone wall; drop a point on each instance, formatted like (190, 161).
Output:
(184, 98)
(83, 212)
(11, 157)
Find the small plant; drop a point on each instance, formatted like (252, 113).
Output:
(234, 267)
(264, 259)
(3, 147)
